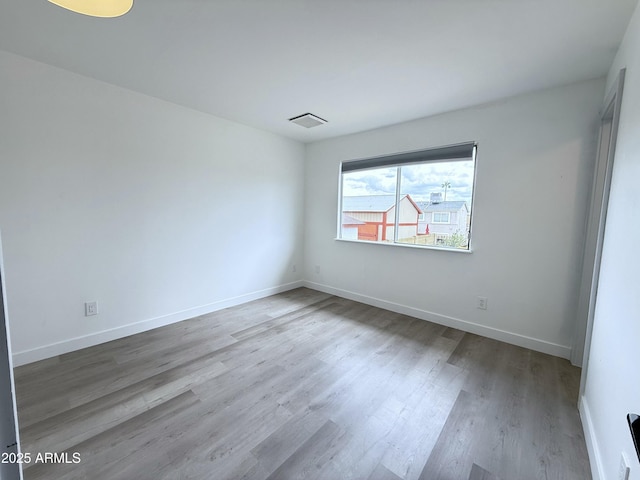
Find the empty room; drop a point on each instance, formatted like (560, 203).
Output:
(285, 239)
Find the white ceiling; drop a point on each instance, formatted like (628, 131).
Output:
(360, 64)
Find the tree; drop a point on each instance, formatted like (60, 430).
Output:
(457, 240)
(446, 185)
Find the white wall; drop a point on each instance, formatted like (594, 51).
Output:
(535, 159)
(156, 211)
(612, 386)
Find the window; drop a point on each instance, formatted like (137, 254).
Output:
(441, 217)
(421, 198)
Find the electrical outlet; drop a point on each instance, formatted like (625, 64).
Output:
(623, 473)
(90, 308)
(318, 269)
(294, 268)
(482, 303)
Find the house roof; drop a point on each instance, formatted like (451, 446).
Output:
(349, 220)
(449, 206)
(371, 203)
(368, 203)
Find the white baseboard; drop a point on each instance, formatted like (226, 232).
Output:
(59, 348)
(77, 343)
(554, 349)
(597, 472)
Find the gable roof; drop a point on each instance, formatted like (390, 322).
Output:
(449, 206)
(372, 203)
(368, 203)
(349, 220)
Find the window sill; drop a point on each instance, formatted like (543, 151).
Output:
(407, 245)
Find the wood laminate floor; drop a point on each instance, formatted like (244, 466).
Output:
(303, 385)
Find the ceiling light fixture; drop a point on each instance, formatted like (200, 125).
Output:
(308, 120)
(96, 8)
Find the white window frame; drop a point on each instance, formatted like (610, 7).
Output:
(449, 153)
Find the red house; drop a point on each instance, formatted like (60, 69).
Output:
(377, 214)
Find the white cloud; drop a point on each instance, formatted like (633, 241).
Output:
(417, 180)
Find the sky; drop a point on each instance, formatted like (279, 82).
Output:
(417, 180)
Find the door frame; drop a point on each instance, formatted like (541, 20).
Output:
(596, 226)
(8, 408)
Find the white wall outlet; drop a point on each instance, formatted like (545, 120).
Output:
(482, 303)
(623, 473)
(294, 268)
(90, 308)
(318, 269)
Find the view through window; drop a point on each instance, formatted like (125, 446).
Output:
(419, 198)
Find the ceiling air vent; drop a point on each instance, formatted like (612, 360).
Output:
(308, 120)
